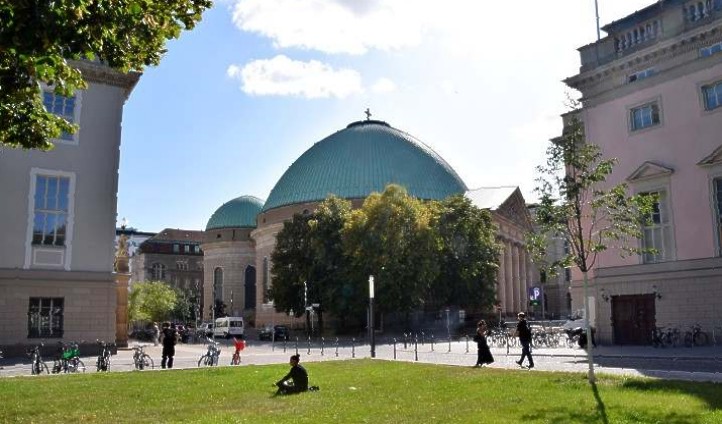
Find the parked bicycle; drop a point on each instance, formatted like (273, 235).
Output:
(210, 358)
(696, 337)
(142, 360)
(37, 365)
(103, 362)
(68, 360)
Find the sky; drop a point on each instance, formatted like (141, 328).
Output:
(236, 100)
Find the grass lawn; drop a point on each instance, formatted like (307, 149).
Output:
(357, 391)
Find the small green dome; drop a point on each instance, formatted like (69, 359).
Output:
(361, 159)
(238, 213)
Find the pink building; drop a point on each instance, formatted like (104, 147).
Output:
(652, 98)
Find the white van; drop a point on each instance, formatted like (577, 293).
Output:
(228, 327)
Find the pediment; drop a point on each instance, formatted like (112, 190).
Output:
(514, 209)
(650, 170)
(714, 158)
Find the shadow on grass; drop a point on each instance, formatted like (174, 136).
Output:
(710, 393)
(600, 404)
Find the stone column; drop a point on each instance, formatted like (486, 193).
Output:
(524, 297)
(508, 279)
(501, 281)
(515, 277)
(122, 276)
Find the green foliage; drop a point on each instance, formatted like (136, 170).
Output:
(39, 40)
(576, 206)
(422, 255)
(357, 391)
(185, 306)
(469, 255)
(151, 301)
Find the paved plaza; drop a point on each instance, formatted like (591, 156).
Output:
(693, 364)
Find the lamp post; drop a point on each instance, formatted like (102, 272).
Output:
(372, 336)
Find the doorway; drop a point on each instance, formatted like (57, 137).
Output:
(633, 319)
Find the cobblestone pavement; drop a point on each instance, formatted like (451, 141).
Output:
(695, 364)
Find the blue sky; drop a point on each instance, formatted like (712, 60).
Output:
(235, 101)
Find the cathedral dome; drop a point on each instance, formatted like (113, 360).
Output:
(240, 212)
(363, 158)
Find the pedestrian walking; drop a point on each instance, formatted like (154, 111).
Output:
(524, 333)
(484, 355)
(169, 338)
(155, 333)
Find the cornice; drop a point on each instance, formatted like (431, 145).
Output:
(659, 52)
(96, 72)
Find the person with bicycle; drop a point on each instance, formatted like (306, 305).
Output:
(298, 379)
(169, 338)
(239, 344)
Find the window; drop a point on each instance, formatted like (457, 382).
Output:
(187, 248)
(51, 210)
(218, 284)
(717, 183)
(61, 106)
(644, 116)
(158, 271)
(709, 51)
(176, 248)
(45, 317)
(197, 249)
(266, 286)
(657, 233)
(181, 266)
(640, 75)
(712, 95)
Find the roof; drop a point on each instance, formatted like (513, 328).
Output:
(240, 212)
(178, 235)
(638, 17)
(363, 158)
(490, 197)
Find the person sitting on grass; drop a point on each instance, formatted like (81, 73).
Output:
(298, 377)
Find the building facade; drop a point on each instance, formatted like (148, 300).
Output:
(652, 96)
(58, 220)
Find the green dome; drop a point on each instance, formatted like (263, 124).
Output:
(238, 213)
(363, 158)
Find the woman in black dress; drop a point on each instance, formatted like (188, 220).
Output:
(484, 354)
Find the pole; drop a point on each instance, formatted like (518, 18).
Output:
(590, 358)
(371, 316)
(596, 11)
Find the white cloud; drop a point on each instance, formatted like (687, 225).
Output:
(383, 85)
(282, 76)
(335, 26)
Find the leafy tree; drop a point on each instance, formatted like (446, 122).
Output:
(577, 206)
(39, 40)
(220, 309)
(185, 306)
(151, 301)
(390, 237)
(468, 255)
(291, 265)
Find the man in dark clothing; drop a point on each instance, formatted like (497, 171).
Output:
(169, 338)
(524, 333)
(298, 375)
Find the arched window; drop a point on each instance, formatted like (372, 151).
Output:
(218, 283)
(265, 279)
(158, 272)
(250, 288)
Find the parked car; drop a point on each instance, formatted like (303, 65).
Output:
(279, 332)
(205, 329)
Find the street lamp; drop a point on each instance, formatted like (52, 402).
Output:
(371, 316)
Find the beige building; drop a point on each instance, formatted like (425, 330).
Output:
(58, 220)
(352, 163)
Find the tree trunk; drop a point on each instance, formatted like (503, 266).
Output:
(590, 358)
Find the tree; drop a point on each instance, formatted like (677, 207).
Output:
(185, 306)
(577, 206)
(41, 42)
(468, 255)
(391, 238)
(151, 301)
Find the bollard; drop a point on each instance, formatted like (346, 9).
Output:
(322, 343)
(308, 352)
(432, 342)
(353, 347)
(467, 342)
(449, 344)
(285, 341)
(273, 342)
(337, 347)
(406, 338)
(416, 348)
(296, 345)
(394, 348)
(423, 338)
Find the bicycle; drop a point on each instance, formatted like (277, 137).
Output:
(142, 360)
(103, 362)
(69, 359)
(696, 337)
(37, 365)
(239, 345)
(210, 358)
